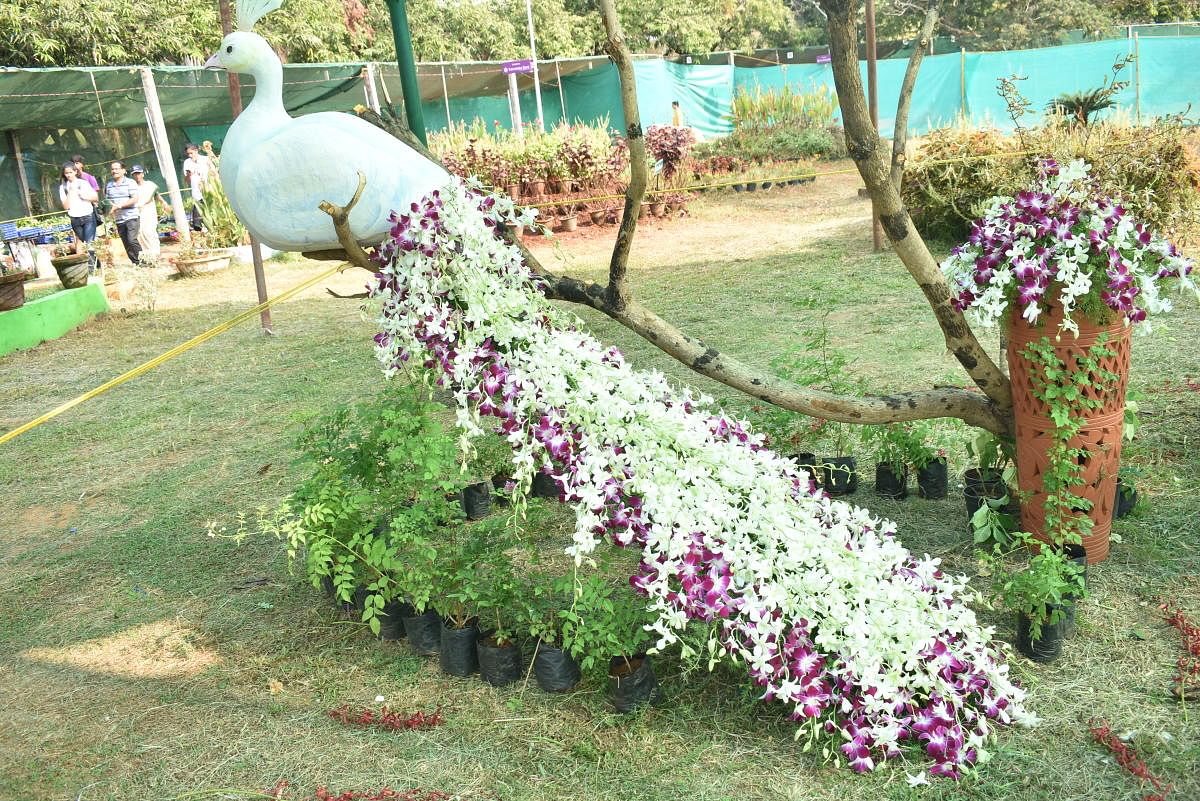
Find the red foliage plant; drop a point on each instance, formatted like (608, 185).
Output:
(385, 718)
(670, 145)
(1128, 759)
(383, 794)
(1188, 664)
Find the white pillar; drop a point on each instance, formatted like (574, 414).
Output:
(370, 88)
(446, 96)
(537, 81)
(514, 106)
(162, 151)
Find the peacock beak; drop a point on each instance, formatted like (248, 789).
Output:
(213, 63)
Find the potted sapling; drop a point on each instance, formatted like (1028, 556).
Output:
(839, 473)
(465, 556)
(1043, 596)
(993, 473)
(1126, 495)
(555, 670)
(605, 626)
(927, 456)
(890, 444)
(498, 649)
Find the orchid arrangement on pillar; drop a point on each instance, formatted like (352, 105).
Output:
(1065, 234)
(867, 643)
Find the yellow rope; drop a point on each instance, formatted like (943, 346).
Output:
(167, 356)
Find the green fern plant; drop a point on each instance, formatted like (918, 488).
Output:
(1079, 107)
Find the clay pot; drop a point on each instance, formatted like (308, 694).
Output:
(598, 217)
(568, 223)
(1100, 434)
(72, 270)
(12, 291)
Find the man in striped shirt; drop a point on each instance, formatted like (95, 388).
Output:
(122, 195)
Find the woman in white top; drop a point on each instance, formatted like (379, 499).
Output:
(148, 206)
(78, 199)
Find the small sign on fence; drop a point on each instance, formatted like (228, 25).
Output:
(823, 58)
(516, 67)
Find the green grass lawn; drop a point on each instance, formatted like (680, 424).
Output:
(141, 659)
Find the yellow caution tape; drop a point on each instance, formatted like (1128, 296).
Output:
(164, 357)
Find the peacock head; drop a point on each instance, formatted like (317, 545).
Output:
(242, 51)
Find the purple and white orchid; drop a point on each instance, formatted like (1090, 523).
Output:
(1062, 237)
(865, 642)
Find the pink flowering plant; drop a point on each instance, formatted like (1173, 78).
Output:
(1065, 242)
(870, 647)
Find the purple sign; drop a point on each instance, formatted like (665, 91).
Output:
(516, 67)
(823, 58)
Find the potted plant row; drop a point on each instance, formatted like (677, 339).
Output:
(385, 526)
(899, 447)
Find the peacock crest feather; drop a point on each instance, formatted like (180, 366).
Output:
(251, 11)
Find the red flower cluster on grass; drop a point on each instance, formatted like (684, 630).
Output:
(386, 719)
(1127, 758)
(1189, 663)
(383, 794)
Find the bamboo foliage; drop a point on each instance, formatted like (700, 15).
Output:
(784, 106)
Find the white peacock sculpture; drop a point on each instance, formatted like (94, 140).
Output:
(277, 168)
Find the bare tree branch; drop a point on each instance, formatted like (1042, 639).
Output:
(617, 290)
(341, 224)
(900, 132)
(973, 408)
(863, 144)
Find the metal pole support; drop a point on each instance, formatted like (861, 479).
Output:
(408, 69)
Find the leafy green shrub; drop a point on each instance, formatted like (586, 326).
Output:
(607, 619)
(789, 142)
(224, 229)
(1149, 167)
(955, 172)
(366, 515)
(783, 106)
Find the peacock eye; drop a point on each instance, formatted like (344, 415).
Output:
(229, 49)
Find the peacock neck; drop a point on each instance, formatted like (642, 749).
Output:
(268, 91)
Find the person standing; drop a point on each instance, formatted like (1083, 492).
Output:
(195, 172)
(676, 114)
(147, 211)
(78, 199)
(122, 196)
(81, 172)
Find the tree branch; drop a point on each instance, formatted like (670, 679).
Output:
(618, 291)
(863, 144)
(900, 132)
(341, 224)
(973, 408)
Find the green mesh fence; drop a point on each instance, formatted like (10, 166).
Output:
(99, 112)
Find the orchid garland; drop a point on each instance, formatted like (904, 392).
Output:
(1066, 235)
(831, 615)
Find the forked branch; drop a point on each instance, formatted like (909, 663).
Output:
(341, 225)
(900, 131)
(618, 290)
(862, 142)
